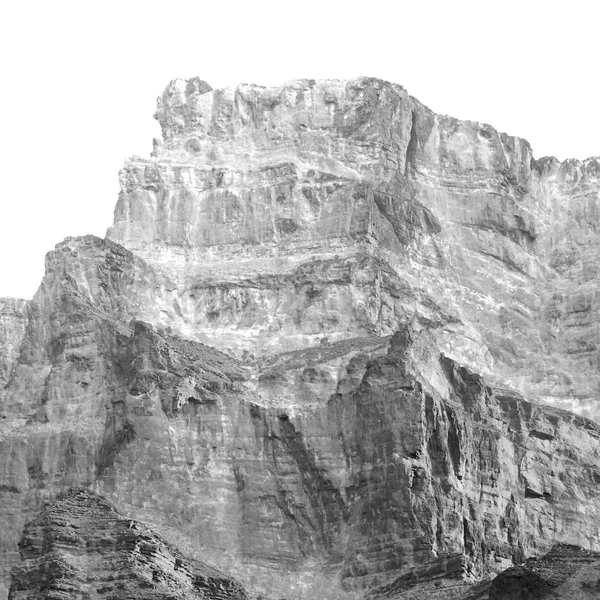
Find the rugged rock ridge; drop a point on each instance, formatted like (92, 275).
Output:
(300, 361)
(64, 422)
(81, 547)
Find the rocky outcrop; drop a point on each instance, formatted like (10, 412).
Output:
(81, 547)
(64, 407)
(566, 573)
(307, 351)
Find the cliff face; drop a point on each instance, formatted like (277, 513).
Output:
(281, 216)
(308, 354)
(353, 461)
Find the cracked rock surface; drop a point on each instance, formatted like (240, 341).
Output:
(328, 209)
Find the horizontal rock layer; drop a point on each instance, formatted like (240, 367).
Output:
(566, 572)
(328, 209)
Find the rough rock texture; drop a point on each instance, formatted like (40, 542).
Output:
(310, 358)
(82, 548)
(282, 216)
(353, 462)
(12, 328)
(565, 573)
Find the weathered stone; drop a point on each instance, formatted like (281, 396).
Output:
(394, 211)
(565, 573)
(309, 354)
(354, 461)
(81, 547)
(12, 328)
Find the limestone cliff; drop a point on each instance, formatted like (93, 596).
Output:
(349, 463)
(309, 350)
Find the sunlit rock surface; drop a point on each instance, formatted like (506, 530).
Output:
(349, 463)
(310, 351)
(12, 327)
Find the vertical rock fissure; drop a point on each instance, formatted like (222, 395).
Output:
(411, 149)
(325, 499)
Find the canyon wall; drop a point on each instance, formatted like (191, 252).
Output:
(283, 216)
(12, 327)
(313, 347)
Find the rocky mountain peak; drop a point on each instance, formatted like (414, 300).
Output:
(371, 208)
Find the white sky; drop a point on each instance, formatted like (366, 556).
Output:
(79, 82)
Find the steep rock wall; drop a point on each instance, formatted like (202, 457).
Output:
(393, 211)
(387, 280)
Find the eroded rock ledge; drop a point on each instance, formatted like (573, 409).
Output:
(346, 465)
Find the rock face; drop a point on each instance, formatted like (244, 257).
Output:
(368, 457)
(12, 328)
(81, 547)
(307, 351)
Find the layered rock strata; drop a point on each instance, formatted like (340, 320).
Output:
(309, 358)
(565, 573)
(329, 209)
(81, 547)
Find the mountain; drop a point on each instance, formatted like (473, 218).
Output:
(325, 347)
